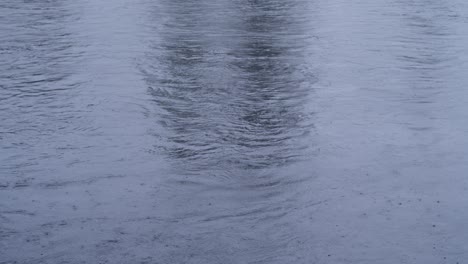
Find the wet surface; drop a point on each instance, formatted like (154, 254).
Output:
(233, 131)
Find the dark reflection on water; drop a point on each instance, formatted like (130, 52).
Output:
(231, 95)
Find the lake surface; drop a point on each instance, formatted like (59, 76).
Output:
(244, 131)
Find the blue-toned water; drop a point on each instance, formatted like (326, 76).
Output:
(170, 131)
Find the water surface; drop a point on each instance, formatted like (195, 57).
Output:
(137, 131)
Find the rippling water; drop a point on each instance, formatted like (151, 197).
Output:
(170, 131)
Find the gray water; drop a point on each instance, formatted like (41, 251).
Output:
(245, 131)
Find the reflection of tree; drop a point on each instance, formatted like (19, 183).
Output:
(242, 106)
(231, 98)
